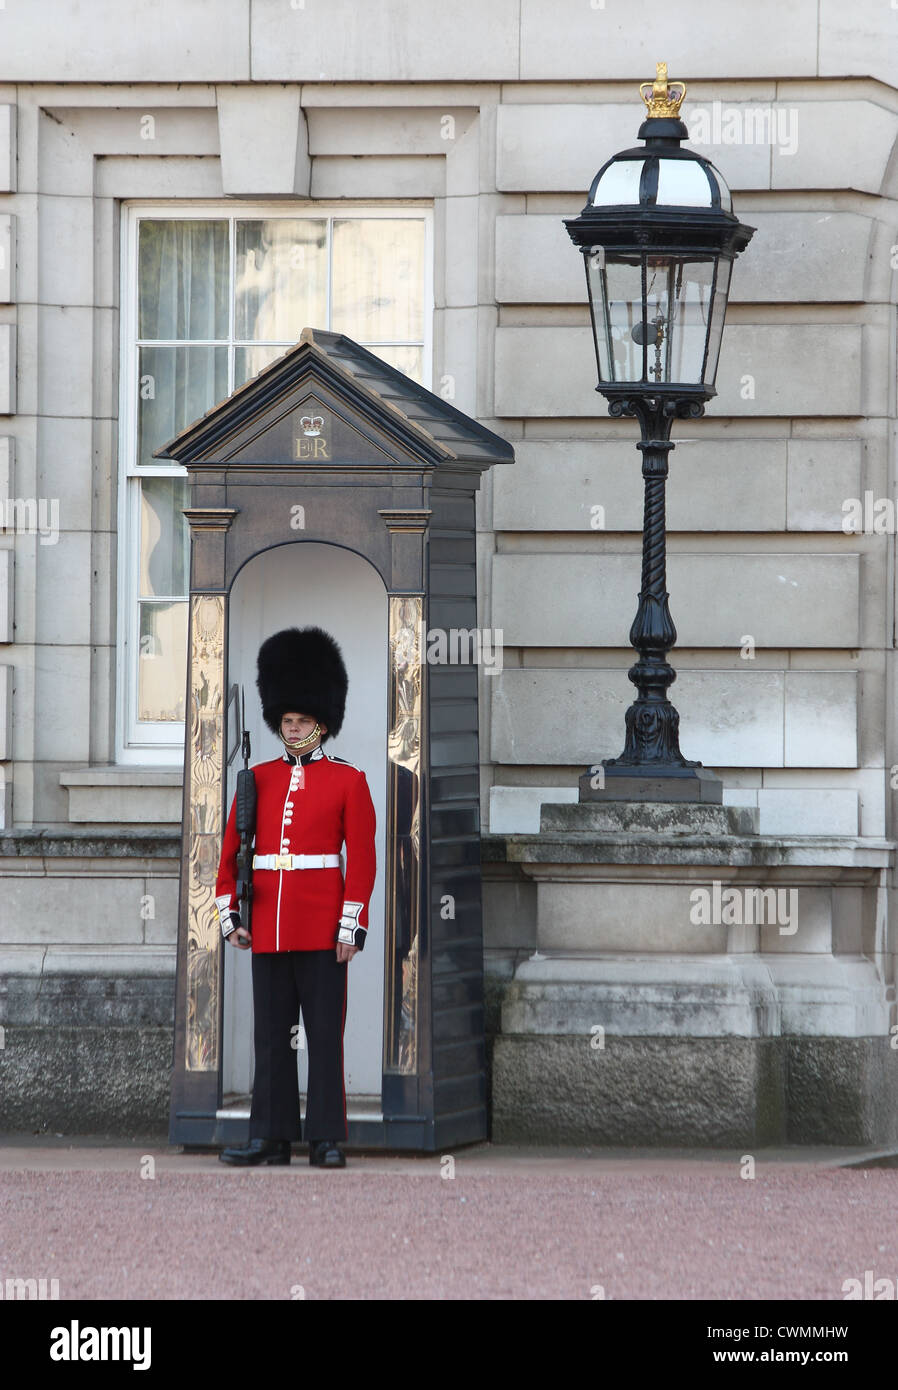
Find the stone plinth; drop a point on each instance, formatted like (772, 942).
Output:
(693, 982)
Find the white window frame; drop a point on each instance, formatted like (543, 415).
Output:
(162, 743)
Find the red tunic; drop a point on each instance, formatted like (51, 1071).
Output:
(305, 809)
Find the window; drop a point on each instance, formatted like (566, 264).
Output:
(210, 298)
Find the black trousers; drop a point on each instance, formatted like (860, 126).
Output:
(285, 982)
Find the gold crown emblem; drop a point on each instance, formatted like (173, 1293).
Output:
(312, 424)
(663, 99)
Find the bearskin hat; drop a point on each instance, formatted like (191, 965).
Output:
(302, 669)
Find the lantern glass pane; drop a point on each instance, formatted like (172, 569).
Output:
(678, 317)
(718, 314)
(683, 183)
(619, 184)
(615, 292)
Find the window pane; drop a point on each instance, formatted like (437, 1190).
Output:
(164, 537)
(183, 279)
(249, 361)
(162, 667)
(407, 359)
(281, 278)
(177, 385)
(378, 279)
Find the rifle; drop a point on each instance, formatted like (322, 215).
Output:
(245, 824)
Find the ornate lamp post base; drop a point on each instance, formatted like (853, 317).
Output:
(616, 783)
(651, 767)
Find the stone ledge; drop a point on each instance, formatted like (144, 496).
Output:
(689, 996)
(828, 854)
(96, 843)
(647, 818)
(119, 795)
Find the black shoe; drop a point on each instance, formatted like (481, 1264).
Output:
(326, 1153)
(273, 1151)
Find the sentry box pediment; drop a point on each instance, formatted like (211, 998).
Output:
(333, 490)
(329, 401)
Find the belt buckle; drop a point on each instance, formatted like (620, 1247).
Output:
(283, 861)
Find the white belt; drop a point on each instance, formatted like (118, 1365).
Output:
(296, 861)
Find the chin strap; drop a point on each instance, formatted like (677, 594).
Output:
(301, 742)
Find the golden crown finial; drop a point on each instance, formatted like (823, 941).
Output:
(663, 100)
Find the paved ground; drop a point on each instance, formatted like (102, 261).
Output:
(143, 1221)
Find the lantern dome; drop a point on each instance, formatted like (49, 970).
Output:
(644, 178)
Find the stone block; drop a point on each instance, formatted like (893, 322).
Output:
(729, 718)
(516, 810)
(509, 918)
(627, 917)
(124, 796)
(793, 257)
(704, 1091)
(158, 177)
(858, 42)
(839, 144)
(643, 817)
(339, 130)
(556, 716)
(7, 472)
(7, 258)
(170, 41)
(7, 139)
(419, 176)
(45, 903)
(712, 1092)
(66, 251)
(825, 995)
(7, 369)
(572, 40)
(88, 1080)
(161, 908)
(6, 680)
(584, 137)
(65, 362)
(410, 41)
(7, 595)
(462, 220)
(264, 139)
(459, 366)
(810, 811)
(568, 485)
(841, 1091)
(64, 587)
(822, 473)
(779, 600)
(26, 359)
(62, 726)
(65, 469)
(821, 725)
(765, 369)
(803, 258)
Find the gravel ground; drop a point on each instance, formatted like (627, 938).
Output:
(510, 1224)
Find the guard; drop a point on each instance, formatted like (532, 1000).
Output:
(306, 923)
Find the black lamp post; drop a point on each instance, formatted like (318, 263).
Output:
(658, 237)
